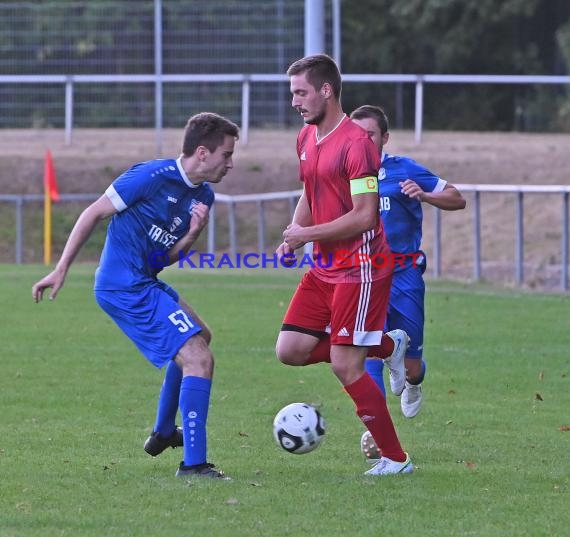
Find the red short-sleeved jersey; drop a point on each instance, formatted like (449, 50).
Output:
(326, 169)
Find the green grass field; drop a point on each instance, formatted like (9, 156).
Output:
(491, 445)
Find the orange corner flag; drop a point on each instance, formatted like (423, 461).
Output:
(50, 181)
(51, 193)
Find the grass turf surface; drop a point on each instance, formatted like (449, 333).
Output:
(490, 445)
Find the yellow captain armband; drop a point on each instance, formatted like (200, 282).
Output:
(363, 185)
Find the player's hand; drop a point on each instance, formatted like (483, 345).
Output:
(54, 280)
(293, 236)
(411, 189)
(200, 216)
(285, 254)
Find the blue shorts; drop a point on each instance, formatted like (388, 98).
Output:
(152, 318)
(406, 308)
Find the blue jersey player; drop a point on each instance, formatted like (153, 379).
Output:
(404, 185)
(158, 210)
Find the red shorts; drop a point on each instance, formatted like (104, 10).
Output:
(352, 313)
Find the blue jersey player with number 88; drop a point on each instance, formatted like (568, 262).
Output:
(158, 210)
(403, 185)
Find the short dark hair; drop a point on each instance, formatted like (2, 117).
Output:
(373, 112)
(207, 129)
(320, 68)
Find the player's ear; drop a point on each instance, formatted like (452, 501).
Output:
(326, 90)
(202, 152)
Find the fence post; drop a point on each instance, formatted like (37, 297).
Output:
(158, 89)
(68, 109)
(419, 109)
(260, 227)
(519, 239)
(292, 207)
(477, 237)
(212, 229)
(336, 31)
(245, 94)
(437, 243)
(564, 282)
(232, 226)
(19, 229)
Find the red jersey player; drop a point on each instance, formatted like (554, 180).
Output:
(339, 308)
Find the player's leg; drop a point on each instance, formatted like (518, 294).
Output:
(408, 313)
(160, 327)
(358, 316)
(197, 364)
(375, 367)
(303, 338)
(412, 396)
(132, 311)
(294, 346)
(348, 365)
(165, 432)
(392, 351)
(393, 359)
(206, 333)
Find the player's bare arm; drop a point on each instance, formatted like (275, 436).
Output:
(199, 220)
(362, 217)
(449, 199)
(86, 223)
(301, 217)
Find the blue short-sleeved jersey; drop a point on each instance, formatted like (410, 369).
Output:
(159, 198)
(402, 215)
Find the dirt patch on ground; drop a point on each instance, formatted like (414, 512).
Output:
(268, 163)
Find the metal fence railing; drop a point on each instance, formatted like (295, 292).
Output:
(240, 86)
(258, 219)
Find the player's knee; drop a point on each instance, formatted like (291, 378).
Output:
(283, 354)
(196, 358)
(342, 372)
(288, 355)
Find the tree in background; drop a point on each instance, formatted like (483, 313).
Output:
(463, 37)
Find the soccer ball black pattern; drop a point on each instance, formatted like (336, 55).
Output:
(298, 428)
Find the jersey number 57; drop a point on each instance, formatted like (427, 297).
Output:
(180, 319)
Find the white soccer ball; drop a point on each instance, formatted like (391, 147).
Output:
(298, 428)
